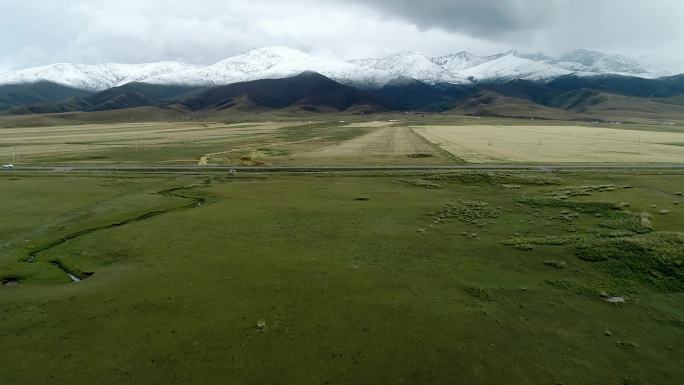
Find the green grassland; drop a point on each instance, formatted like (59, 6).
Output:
(448, 278)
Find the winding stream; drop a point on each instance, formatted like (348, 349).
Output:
(77, 276)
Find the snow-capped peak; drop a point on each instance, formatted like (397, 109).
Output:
(414, 65)
(584, 57)
(94, 77)
(459, 61)
(594, 62)
(261, 59)
(272, 63)
(510, 67)
(281, 62)
(526, 55)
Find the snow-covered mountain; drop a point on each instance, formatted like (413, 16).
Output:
(464, 67)
(501, 67)
(510, 67)
(95, 77)
(274, 63)
(412, 65)
(264, 63)
(460, 61)
(582, 60)
(279, 62)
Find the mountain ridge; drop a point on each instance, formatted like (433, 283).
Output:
(461, 68)
(611, 98)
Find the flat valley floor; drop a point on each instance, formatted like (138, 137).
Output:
(433, 278)
(401, 141)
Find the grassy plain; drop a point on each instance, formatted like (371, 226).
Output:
(472, 278)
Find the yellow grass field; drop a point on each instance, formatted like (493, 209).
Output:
(490, 144)
(28, 141)
(211, 143)
(334, 143)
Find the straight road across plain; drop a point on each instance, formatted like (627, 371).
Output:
(334, 169)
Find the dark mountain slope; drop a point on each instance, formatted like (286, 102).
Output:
(535, 92)
(127, 96)
(410, 94)
(308, 89)
(602, 98)
(136, 95)
(623, 85)
(16, 95)
(614, 98)
(605, 106)
(482, 102)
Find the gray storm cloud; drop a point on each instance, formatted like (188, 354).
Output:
(487, 19)
(36, 32)
(605, 21)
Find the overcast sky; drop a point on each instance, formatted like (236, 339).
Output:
(37, 32)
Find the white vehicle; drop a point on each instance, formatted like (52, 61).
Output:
(9, 165)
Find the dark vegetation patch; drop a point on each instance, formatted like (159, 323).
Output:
(10, 280)
(421, 183)
(622, 243)
(499, 178)
(550, 240)
(560, 284)
(626, 345)
(595, 290)
(420, 156)
(478, 293)
(467, 211)
(556, 264)
(583, 190)
(626, 222)
(94, 157)
(582, 207)
(568, 216)
(656, 258)
(81, 275)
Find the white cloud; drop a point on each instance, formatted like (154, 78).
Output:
(34, 32)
